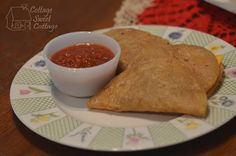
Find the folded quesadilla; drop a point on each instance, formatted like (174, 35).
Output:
(153, 87)
(155, 76)
(201, 62)
(139, 45)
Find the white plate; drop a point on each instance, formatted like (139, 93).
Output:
(66, 120)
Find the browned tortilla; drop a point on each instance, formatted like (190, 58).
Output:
(137, 46)
(158, 85)
(201, 61)
(158, 77)
(213, 88)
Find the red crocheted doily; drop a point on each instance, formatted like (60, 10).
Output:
(195, 14)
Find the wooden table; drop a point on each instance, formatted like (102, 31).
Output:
(16, 47)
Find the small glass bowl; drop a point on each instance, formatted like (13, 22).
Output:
(81, 82)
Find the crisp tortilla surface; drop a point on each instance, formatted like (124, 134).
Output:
(201, 61)
(137, 46)
(158, 85)
(156, 76)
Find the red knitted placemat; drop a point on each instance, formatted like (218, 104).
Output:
(194, 14)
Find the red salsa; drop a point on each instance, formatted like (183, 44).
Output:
(82, 55)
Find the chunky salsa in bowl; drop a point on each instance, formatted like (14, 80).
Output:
(81, 63)
(82, 55)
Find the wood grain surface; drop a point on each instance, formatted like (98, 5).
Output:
(17, 47)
